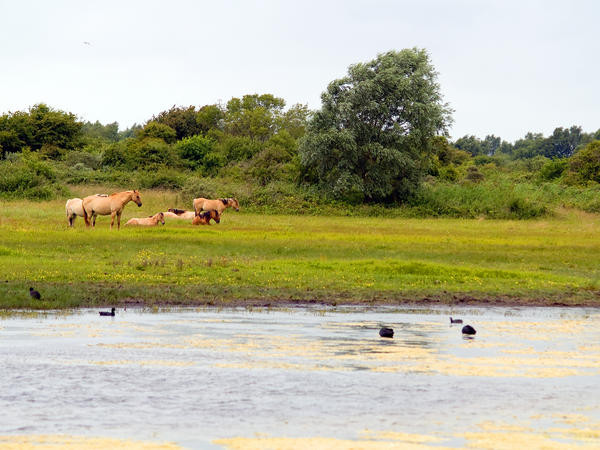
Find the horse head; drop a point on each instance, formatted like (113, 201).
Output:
(161, 218)
(234, 203)
(135, 197)
(214, 215)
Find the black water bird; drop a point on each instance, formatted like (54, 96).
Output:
(386, 332)
(455, 320)
(468, 329)
(34, 294)
(106, 313)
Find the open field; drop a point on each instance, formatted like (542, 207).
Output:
(268, 260)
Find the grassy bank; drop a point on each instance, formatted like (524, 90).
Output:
(257, 259)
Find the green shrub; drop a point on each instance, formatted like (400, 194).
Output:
(584, 166)
(448, 173)
(520, 208)
(474, 175)
(29, 178)
(553, 169)
(164, 178)
(88, 160)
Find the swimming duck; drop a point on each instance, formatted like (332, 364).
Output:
(106, 313)
(468, 329)
(386, 332)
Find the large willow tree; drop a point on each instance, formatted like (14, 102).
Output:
(371, 137)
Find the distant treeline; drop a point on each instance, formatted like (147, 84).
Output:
(379, 138)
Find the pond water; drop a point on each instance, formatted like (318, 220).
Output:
(307, 377)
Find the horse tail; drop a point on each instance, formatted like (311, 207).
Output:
(85, 215)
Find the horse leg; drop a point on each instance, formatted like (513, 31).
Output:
(94, 219)
(119, 220)
(112, 219)
(71, 219)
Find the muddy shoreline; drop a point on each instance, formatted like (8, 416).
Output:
(333, 301)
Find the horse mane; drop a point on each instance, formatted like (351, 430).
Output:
(224, 200)
(177, 211)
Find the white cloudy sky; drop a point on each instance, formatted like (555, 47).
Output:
(505, 67)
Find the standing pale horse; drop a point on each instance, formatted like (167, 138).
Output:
(113, 204)
(219, 205)
(74, 209)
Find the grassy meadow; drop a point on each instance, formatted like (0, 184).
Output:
(255, 259)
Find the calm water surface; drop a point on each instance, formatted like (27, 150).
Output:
(194, 376)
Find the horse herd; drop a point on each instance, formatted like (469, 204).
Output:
(102, 205)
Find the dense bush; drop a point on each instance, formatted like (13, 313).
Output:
(28, 178)
(584, 166)
(553, 169)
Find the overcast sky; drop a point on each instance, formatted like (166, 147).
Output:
(505, 67)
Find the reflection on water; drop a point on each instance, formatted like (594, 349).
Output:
(210, 378)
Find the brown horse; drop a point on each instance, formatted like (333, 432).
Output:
(148, 221)
(204, 217)
(219, 205)
(95, 205)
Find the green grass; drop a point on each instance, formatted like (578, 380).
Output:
(265, 259)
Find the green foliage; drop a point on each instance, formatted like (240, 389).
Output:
(553, 169)
(448, 173)
(210, 117)
(197, 151)
(477, 147)
(89, 160)
(584, 166)
(253, 116)
(28, 177)
(40, 126)
(116, 155)
(150, 152)
(474, 175)
(563, 142)
(370, 139)
(495, 201)
(182, 120)
(98, 133)
(161, 177)
(274, 163)
(156, 130)
(238, 148)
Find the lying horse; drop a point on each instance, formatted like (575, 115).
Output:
(74, 209)
(220, 205)
(204, 218)
(179, 214)
(148, 221)
(94, 205)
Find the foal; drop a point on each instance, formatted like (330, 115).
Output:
(204, 218)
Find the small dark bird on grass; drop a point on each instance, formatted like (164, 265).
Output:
(386, 332)
(34, 294)
(455, 320)
(106, 313)
(468, 329)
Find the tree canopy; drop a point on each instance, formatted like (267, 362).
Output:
(40, 126)
(372, 134)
